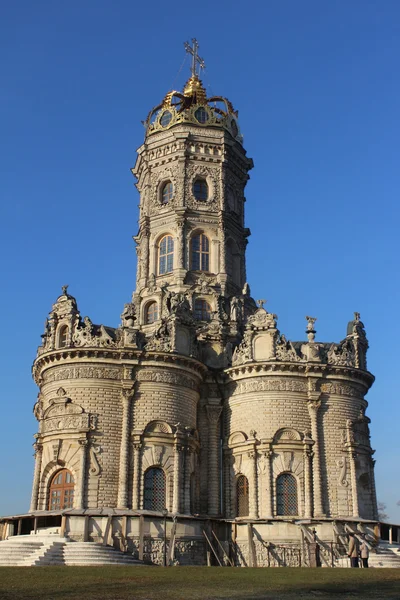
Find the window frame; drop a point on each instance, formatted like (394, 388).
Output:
(202, 310)
(283, 499)
(168, 255)
(169, 194)
(64, 488)
(155, 504)
(62, 338)
(245, 495)
(202, 254)
(151, 304)
(201, 181)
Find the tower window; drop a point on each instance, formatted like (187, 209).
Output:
(154, 489)
(166, 255)
(200, 190)
(202, 310)
(61, 490)
(286, 495)
(165, 119)
(63, 337)
(200, 256)
(167, 192)
(151, 313)
(242, 496)
(201, 115)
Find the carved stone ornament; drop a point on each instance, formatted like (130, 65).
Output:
(94, 450)
(342, 465)
(262, 319)
(264, 384)
(158, 452)
(285, 350)
(90, 335)
(167, 377)
(63, 414)
(86, 372)
(237, 463)
(342, 354)
(129, 315)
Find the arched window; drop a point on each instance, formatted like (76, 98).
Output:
(242, 496)
(202, 310)
(151, 314)
(167, 192)
(166, 255)
(63, 336)
(154, 489)
(200, 190)
(200, 255)
(286, 495)
(61, 490)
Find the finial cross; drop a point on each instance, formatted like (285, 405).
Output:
(195, 57)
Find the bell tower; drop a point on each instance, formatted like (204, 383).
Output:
(191, 174)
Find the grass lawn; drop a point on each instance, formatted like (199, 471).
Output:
(192, 583)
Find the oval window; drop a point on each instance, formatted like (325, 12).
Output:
(200, 190)
(165, 118)
(201, 115)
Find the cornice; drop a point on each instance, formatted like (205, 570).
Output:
(309, 370)
(116, 357)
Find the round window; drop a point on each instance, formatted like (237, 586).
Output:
(165, 118)
(201, 115)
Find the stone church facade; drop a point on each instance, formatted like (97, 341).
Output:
(197, 404)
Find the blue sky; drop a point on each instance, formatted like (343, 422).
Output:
(317, 88)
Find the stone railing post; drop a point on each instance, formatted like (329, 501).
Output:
(314, 405)
(136, 473)
(213, 414)
(126, 397)
(80, 502)
(36, 476)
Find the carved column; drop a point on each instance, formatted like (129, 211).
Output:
(253, 508)
(177, 477)
(373, 490)
(353, 476)
(227, 482)
(36, 476)
(187, 490)
(82, 470)
(144, 252)
(308, 492)
(268, 476)
(180, 249)
(313, 407)
(213, 414)
(126, 396)
(136, 474)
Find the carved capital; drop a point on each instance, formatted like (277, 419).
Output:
(213, 413)
(83, 443)
(313, 406)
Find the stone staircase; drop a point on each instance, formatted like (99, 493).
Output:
(385, 556)
(30, 550)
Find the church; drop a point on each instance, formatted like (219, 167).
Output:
(197, 410)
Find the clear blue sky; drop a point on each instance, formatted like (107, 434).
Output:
(317, 88)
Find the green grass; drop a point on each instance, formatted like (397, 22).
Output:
(192, 583)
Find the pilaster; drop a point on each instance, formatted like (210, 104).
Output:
(213, 414)
(36, 476)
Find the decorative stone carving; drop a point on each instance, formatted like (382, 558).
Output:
(158, 452)
(158, 427)
(342, 465)
(237, 464)
(89, 372)
(285, 350)
(93, 336)
(167, 377)
(342, 354)
(340, 389)
(94, 450)
(263, 384)
(129, 315)
(287, 434)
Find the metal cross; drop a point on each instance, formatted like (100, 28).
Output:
(195, 57)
